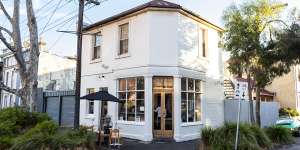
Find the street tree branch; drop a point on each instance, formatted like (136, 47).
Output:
(5, 11)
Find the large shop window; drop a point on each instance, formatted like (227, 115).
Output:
(131, 92)
(90, 104)
(190, 100)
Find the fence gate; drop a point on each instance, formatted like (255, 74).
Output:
(60, 106)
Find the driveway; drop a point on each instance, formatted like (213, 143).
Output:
(129, 144)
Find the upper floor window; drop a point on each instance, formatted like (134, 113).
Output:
(123, 31)
(203, 42)
(90, 103)
(97, 46)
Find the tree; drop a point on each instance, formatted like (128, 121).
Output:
(27, 70)
(251, 36)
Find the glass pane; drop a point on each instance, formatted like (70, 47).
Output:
(198, 85)
(131, 84)
(122, 115)
(131, 110)
(98, 40)
(91, 90)
(191, 107)
(191, 84)
(124, 31)
(158, 83)
(168, 82)
(140, 110)
(122, 85)
(157, 111)
(183, 84)
(91, 107)
(140, 83)
(168, 107)
(198, 107)
(123, 46)
(131, 95)
(140, 95)
(183, 107)
(122, 95)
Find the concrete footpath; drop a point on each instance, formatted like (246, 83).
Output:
(129, 144)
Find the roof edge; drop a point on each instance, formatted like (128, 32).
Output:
(137, 9)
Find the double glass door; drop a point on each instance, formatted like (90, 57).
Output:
(163, 114)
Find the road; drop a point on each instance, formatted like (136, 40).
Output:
(295, 146)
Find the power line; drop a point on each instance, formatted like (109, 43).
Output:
(39, 9)
(88, 18)
(65, 21)
(48, 13)
(61, 35)
(58, 4)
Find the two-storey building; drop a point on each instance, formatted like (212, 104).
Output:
(164, 63)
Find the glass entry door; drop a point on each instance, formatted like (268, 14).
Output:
(163, 114)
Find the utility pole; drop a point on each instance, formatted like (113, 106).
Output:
(78, 62)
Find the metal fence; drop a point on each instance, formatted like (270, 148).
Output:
(268, 112)
(59, 105)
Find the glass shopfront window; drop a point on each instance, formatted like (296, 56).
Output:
(131, 92)
(190, 100)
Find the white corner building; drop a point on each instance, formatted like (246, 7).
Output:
(164, 63)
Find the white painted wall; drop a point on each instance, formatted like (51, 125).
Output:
(160, 44)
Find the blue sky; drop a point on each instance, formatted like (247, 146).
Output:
(65, 44)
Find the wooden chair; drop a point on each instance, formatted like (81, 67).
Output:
(114, 138)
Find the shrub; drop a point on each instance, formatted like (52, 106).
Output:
(280, 135)
(47, 135)
(288, 111)
(223, 138)
(15, 121)
(261, 137)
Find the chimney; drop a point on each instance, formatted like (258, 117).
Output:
(42, 45)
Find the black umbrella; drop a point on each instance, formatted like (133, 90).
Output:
(101, 96)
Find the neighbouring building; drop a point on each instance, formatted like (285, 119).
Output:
(287, 88)
(231, 81)
(164, 63)
(55, 73)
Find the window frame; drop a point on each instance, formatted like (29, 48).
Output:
(135, 91)
(95, 46)
(195, 93)
(202, 42)
(120, 39)
(88, 91)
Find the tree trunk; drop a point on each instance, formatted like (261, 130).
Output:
(258, 121)
(27, 69)
(34, 55)
(252, 119)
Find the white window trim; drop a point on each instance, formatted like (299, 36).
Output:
(126, 91)
(128, 54)
(92, 59)
(87, 114)
(200, 50)
(201, 102)
(185, 124)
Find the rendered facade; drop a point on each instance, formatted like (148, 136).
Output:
(164, 63)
